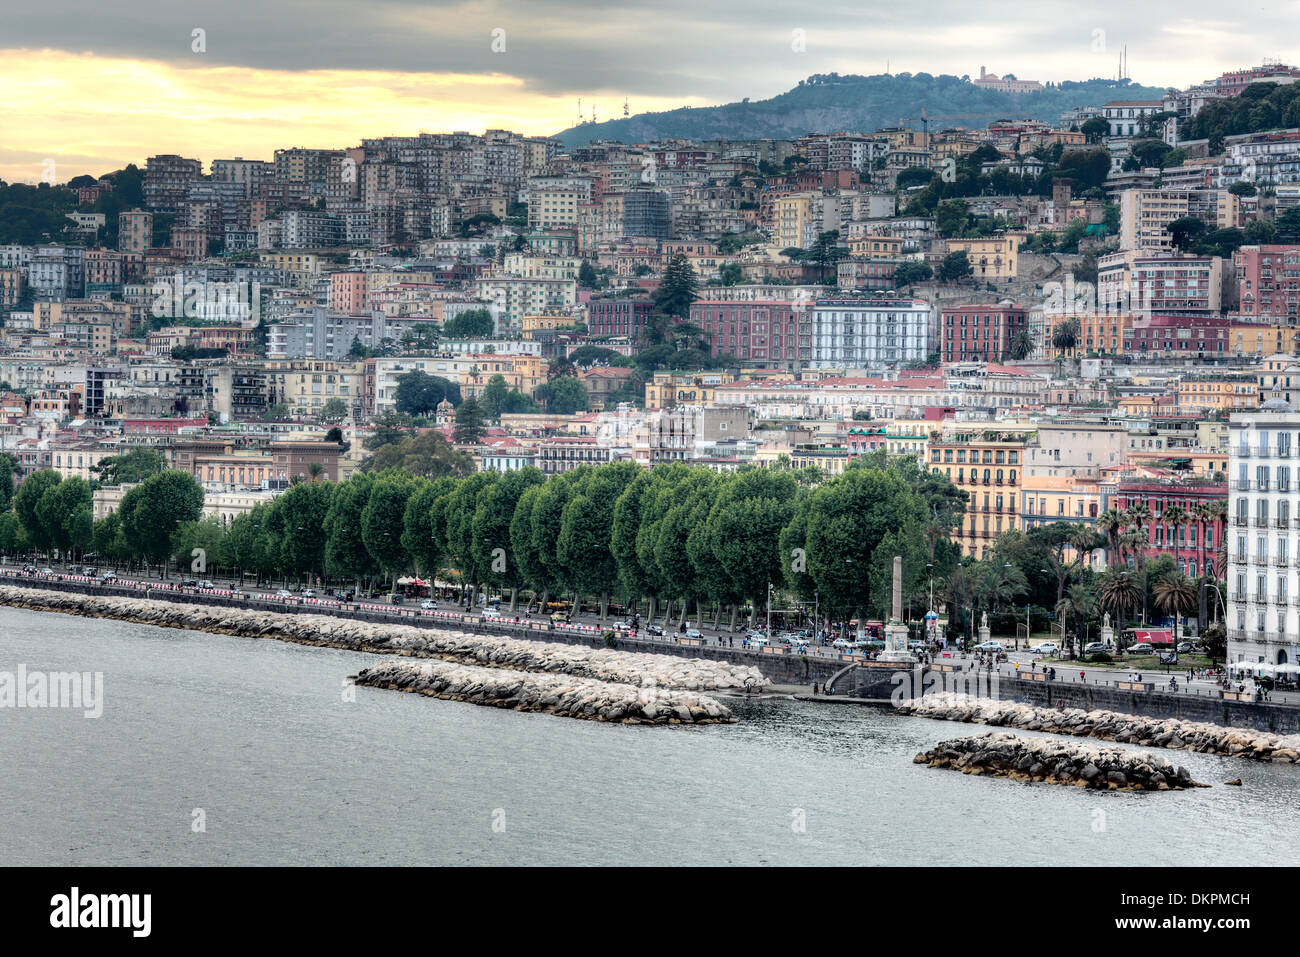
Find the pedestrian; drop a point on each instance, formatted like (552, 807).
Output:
(1082, 676)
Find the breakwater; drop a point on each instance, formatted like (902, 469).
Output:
(637, 669)
(1109, 726)
(561, 695)
(1001, 754)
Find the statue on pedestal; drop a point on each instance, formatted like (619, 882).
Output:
(896, 631)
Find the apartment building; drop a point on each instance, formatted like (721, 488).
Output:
(987, 464)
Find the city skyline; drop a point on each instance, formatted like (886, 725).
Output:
(93, 94)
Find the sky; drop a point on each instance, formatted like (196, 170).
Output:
(87, 86)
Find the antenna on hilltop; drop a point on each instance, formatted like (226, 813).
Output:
(579, 111)
(625, 113)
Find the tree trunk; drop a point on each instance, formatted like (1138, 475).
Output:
(514, 598)
(734, 611)
(681, 622)
(650, 610)
(604, 605)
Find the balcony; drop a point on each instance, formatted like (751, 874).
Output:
(1240, 521)
(1280, 562)
(1241, 485)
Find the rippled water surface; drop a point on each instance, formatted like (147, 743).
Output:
(261, 737)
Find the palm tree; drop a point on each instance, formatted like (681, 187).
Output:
(1111, 523)
(1175, 595)
(1120, 592)
(315, 470)
(1175, 516)
(1139, 515)
(1065, 337)
(1022, 345)
(1078, 603)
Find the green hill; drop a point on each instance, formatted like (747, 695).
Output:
(826, 103)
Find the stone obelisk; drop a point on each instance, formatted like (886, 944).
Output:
(896, 631)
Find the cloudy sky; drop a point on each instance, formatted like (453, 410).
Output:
(92, 85)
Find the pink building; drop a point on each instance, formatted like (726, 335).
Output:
(1268, 280)
(348, 292)
(979, 333)
(1195, 543)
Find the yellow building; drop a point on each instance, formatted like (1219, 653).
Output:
(1199, 394)
(1258, 339)
(1102, 333)
(991, 257)
(792, 220)
(876, 247)
(533, 324)
(1046, 499)
(669, 389)
(988, 464)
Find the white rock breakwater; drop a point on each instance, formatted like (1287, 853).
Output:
(1001, 754)
(488, 651)
(562, 695)
(1198, 736)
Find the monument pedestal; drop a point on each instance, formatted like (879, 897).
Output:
(896, 644)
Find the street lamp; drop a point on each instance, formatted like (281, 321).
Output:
(769, 611)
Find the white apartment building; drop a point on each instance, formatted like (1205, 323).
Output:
(869, 333)
(1263, 590)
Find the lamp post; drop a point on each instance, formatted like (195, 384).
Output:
(769, 611)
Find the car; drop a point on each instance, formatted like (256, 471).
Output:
(1098, 648)
(283, 593)
(760, 642)
(428, 604)
(622, 626)
(491, 613)
(108, 577)
(396, 598)
(694, 633)
(1185, 647)
(655, 630)
(843, 644)
(989, 646)
(307, 593)
(204, 583)
(190, 583)
(47, 570)
(29, 568)
(1046, 648)
(557, 617)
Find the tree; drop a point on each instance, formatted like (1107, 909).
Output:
(346, 554)
(563, 396)
(334, 410)
(1185, 230)
(1095, 128)
(428, 455)
(491, 542)
(911, 272)
(297, 523)
(153, 510)
(1022, 345)
(419, 393)
(587, 278)
(423, 529)
(950, 217)
(7, 468)
(678, 288)
(383, 521)
(1066, 335)
(26, 501)
(584, 544)
(470, 324)
(745, 526)
(1176, 596)
(1120, 593)
(730, 274)
(470, 423)
(847, 519)
(64, 511)
(955, 267)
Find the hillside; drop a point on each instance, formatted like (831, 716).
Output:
(825, 103)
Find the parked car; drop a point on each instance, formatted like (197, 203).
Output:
(1046, 648)
(1184, 647)
(990, 646)
(428, 604)
(1098, 648)
(655, 630)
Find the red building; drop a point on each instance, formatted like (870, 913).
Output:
(1196, 543)
(618, 317)
(1268, 280)
(1234, 81)
(980, 333)
(1178, 335)
(765, 331)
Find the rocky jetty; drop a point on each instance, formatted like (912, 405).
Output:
(1001, 754)
(637, 669)
(562, 695)
(1172, 733)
